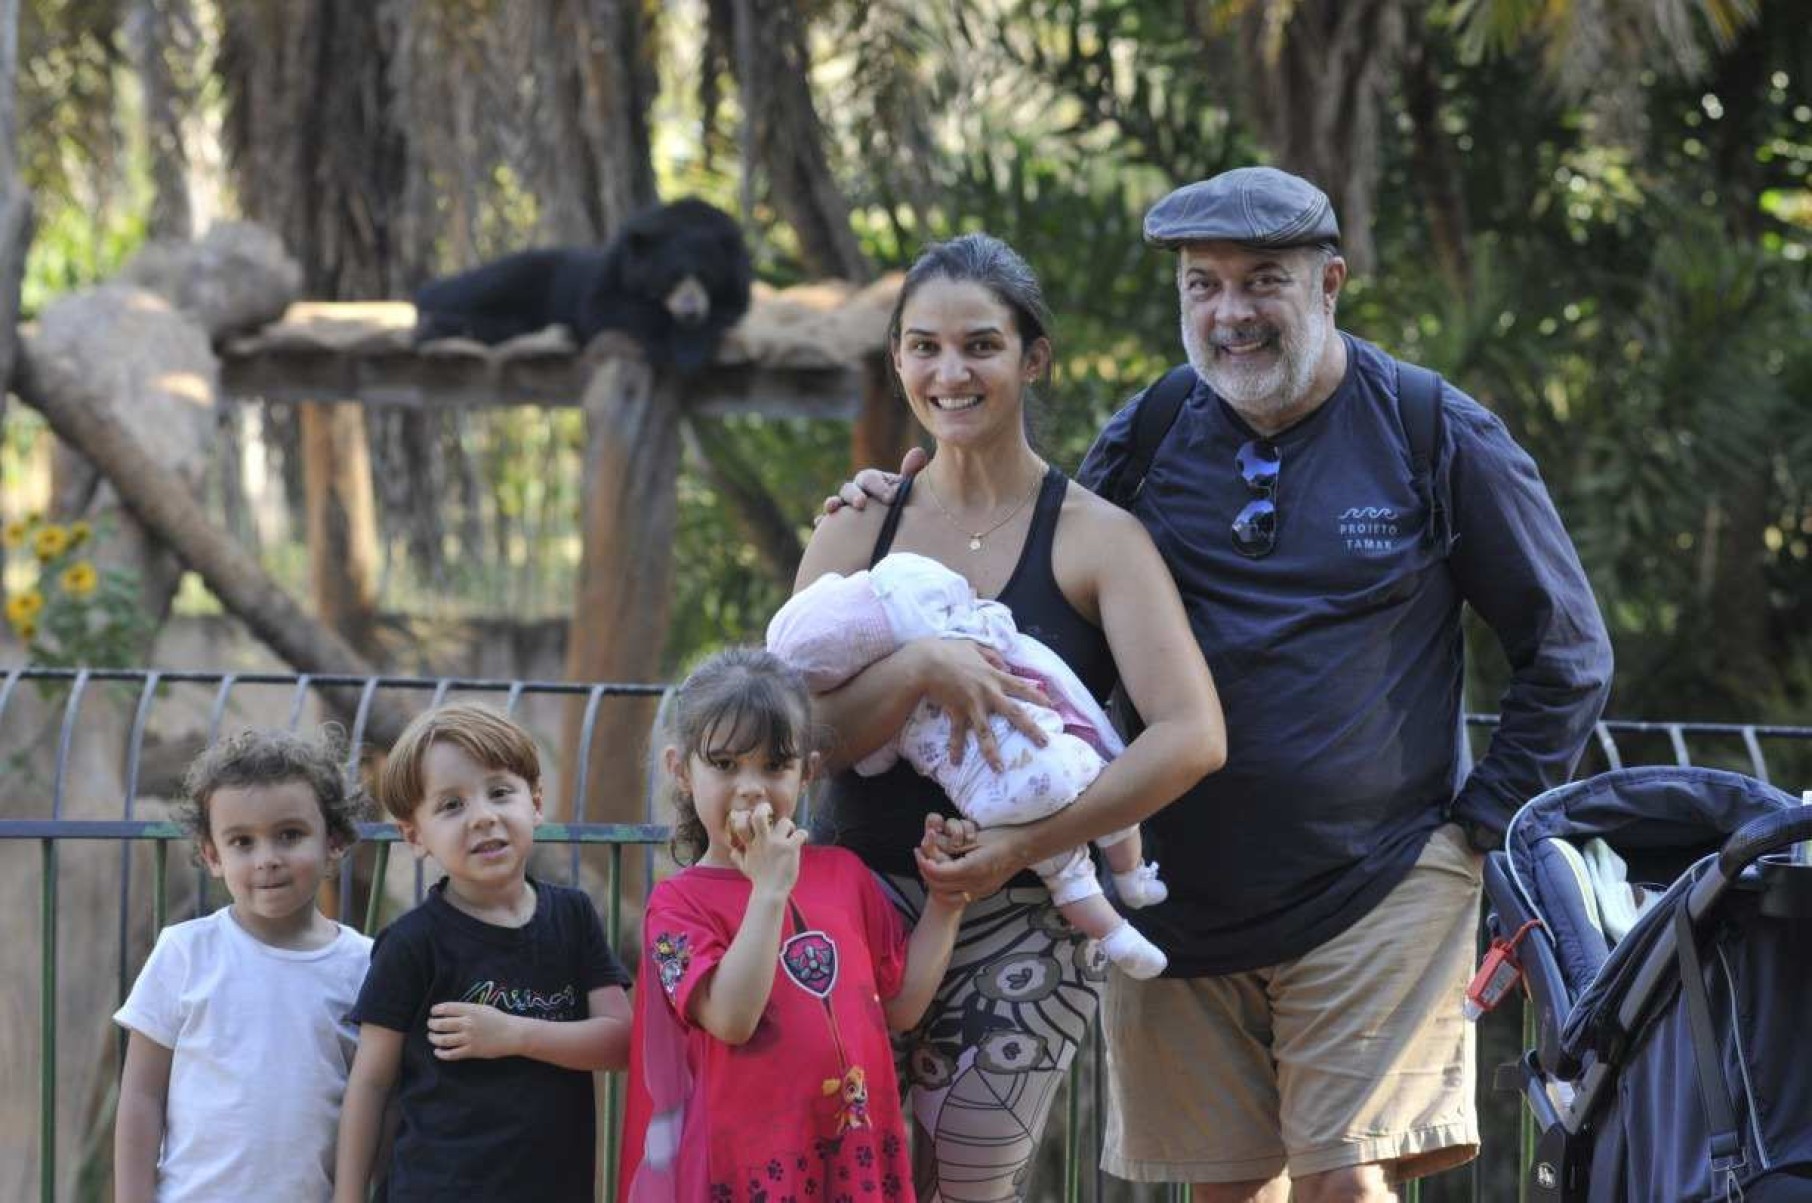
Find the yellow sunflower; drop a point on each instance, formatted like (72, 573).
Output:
(79, 530)
(23, 607)
(14, 533)
(79, 579)
(50, 542)
(27, 631)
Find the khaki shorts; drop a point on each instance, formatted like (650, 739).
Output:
(1352, 1054)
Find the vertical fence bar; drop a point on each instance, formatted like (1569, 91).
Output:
(160, 879)
(613, 1083)
(1098, 1053)
(47, 1029)
(1758, 763)
(1525, 1119)
(1072, 1133)
(216, 716)
(380, 870)
(580, 781)
(360, 716)
(134, 746)
(65, 738)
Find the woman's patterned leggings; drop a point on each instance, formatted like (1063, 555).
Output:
(983, 1068)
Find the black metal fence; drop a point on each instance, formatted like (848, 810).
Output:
(61, 729)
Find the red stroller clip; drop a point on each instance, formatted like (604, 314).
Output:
(1498, 974)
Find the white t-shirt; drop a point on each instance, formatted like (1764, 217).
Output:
(262, 1048)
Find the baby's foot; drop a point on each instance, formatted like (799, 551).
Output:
(1133, 953)
(1140, 886)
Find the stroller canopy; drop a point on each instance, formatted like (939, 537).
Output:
(1659, 820)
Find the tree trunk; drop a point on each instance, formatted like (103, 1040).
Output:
(167, 507)
(884, 429)
(15, 209)
(1437, 172)
(319, 157)
(617, 87)
(342, 526)
(157, 31)
(15, 239)
(618, 630)
(774, 66)
(1319, 97)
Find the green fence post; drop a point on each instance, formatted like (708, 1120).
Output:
(47, 1021)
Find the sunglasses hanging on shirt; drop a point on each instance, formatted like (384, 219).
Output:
(1255, 529)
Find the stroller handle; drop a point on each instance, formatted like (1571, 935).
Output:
(1758, 837)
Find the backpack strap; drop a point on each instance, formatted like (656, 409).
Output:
(1157, 413)
(1419, 409)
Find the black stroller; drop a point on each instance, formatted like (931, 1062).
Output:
(1673, 1056)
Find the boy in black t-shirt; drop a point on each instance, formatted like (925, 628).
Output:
(488, 1006)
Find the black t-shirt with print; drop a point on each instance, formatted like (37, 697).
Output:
(509, 1128)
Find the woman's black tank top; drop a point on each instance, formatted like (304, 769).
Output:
(881, 818)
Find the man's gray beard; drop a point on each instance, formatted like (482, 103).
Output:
(1262, 392)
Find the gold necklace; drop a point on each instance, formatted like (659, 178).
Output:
(976, 536)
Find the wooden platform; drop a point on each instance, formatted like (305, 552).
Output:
(802, 352)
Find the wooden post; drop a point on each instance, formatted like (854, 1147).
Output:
(342, 522)
(883, 429)
(619, 625)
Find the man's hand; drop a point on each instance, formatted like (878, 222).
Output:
(766, 849)
(462, 1031)
(872, 482)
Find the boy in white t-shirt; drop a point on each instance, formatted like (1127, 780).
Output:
(240, 1043)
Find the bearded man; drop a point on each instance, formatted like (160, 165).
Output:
(1309, 1033)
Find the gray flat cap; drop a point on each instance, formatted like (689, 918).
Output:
(1257, 206)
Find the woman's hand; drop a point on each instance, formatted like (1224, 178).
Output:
(460, 1031)
(995, 854)
(944, 840)
(766, 849)
(969, 682)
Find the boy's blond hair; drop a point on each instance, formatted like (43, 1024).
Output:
(486, 735)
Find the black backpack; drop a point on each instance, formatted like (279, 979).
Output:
(1418, 408)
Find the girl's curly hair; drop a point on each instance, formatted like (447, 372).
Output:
(264, 756)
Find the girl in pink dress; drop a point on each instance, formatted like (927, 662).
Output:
(772, 971)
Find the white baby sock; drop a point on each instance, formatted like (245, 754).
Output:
(1133, 953)
(1140, 886)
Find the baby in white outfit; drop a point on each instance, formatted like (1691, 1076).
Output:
(839, 625)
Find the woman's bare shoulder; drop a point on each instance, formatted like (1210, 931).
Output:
(1098, 518)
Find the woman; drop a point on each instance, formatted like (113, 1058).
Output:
(969, 336)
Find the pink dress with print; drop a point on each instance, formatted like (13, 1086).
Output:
(808, 1108)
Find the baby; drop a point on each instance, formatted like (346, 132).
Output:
(838, 625)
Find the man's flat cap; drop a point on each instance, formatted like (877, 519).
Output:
(1257, 206)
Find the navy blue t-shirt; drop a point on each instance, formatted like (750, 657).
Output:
(504, 1128)
(1338, 659)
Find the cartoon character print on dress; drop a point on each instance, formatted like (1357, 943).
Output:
(1014, 1007)
(810, 959)
(671, 956)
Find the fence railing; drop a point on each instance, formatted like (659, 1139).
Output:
(38, 811)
